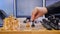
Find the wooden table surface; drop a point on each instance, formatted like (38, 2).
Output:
(31, 32)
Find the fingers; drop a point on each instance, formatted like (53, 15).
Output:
(33, 14)
(38, 15)
(32, 17)
(38, 12)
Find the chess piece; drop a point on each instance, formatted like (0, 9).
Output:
(27, 20)
(24, 21)
(33, 25)
(27, 25)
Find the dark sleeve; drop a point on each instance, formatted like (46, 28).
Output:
(53, 9)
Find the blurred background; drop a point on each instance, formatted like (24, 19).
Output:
(21, 8)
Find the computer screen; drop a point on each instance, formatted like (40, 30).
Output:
(24, 7)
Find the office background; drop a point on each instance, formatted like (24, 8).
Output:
(8, 5)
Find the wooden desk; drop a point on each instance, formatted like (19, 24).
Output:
(31, 32)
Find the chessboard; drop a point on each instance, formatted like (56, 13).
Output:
(25, 24)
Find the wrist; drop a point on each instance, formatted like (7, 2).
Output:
(44, 9)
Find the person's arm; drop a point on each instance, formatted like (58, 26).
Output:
(54, 8)
(40, 11)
